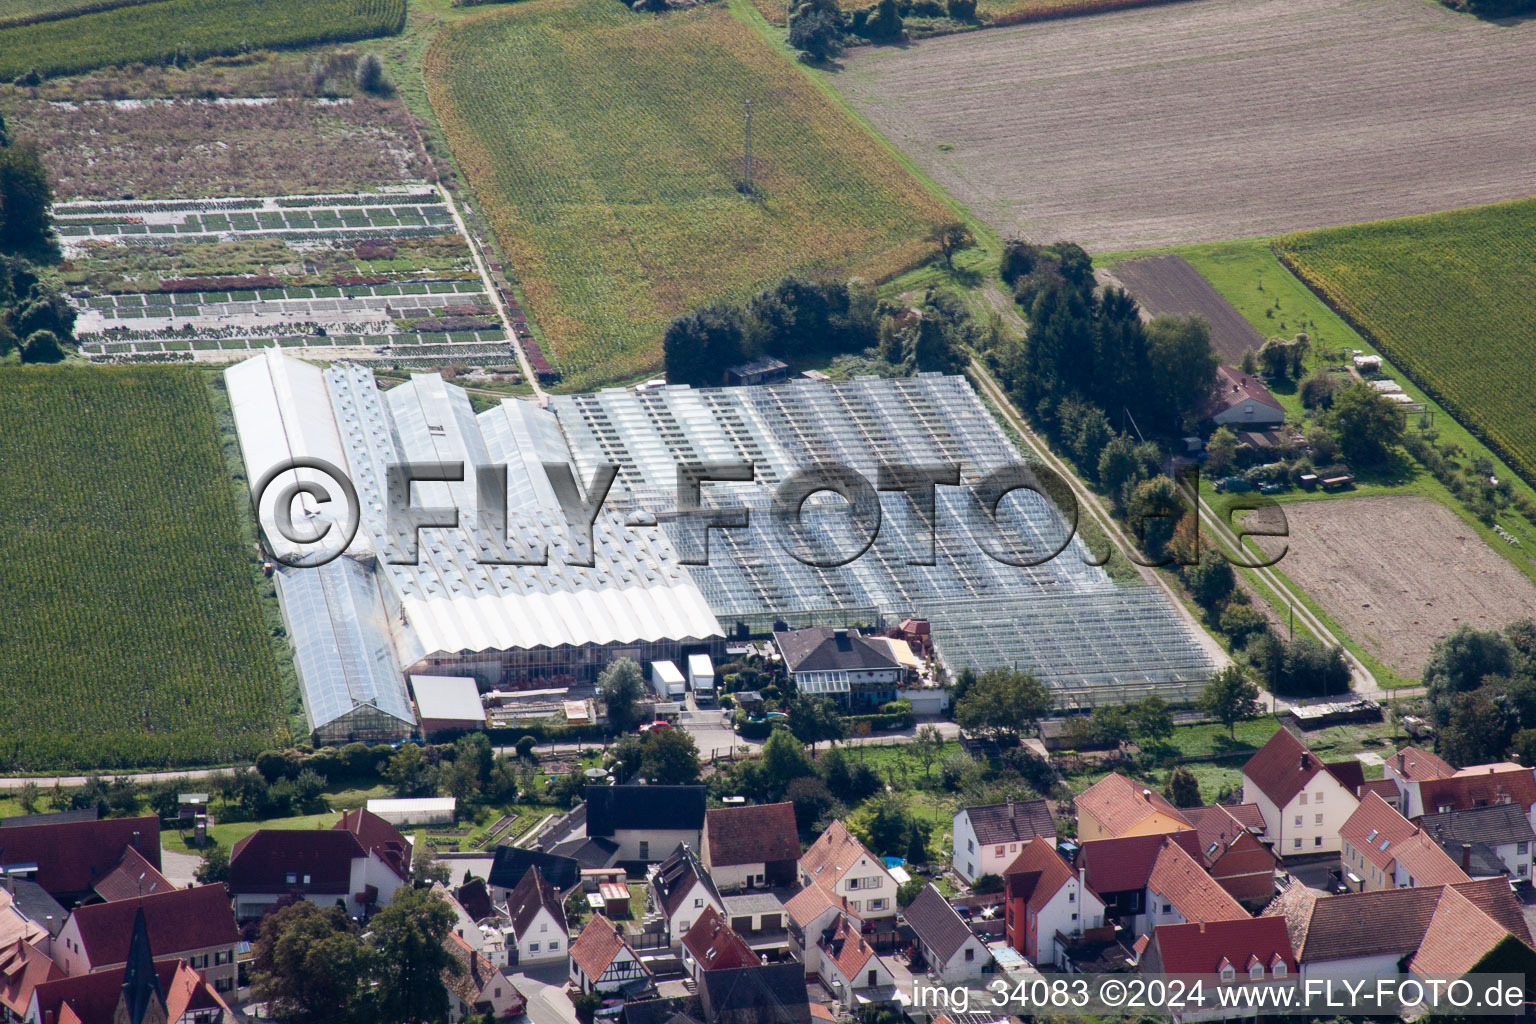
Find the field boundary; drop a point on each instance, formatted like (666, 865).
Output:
(70, 12)
(1342, 310)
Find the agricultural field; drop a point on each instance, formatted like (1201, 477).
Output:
(1169, 285)
(237, 146)
(188, 29)
(1451, 298)
(16, 12)
(1398, 573)
(605, 148)
(988, 12)
(117, 498)
(382, 275)
(1201, 121)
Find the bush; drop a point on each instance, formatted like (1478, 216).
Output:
(525, 746)
(987, 884)
(42, 347)
(371, 78)
(962, 10)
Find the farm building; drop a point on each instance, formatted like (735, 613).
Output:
(762, 370)
(446, 703)
(1239, 400)
(463, 605)
(412, 812)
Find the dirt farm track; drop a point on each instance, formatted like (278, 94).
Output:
(1213, 119)
(1399, 573)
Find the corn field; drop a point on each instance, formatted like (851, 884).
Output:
(1451, 299)
(130, 634)
(606, 148)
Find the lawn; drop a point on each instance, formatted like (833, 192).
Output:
(606, 149)
(228, 834)
(1449, 297)
(132, 637)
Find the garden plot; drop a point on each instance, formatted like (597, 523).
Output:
(379, 276)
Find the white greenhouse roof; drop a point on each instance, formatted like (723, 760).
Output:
(418, 805)
(448, 698)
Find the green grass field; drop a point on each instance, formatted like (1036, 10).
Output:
(191, 28)
(14, 12)
(606, 149)
(1451, 299)
(130, 634)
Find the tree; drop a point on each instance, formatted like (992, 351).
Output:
(215, 866)
(586, 1005)
(1241, 621)
(371, 78)
(310, 966)
(669, 757)
(1231, 698)
(620, 687)
(816, 32)
(424, 869)
(1210, 580)
(1461, 662)
(951, 238)
(408, 936)
(813, 719)
(927, 746)
(1153, 512)
(28, 794)
(698, 347)
(42, 347)
(1152, 719)
(1182, 368)
(1366, 425)
(1003, 703)
(1479, 727)
(917, 843)
(884, 824)
(784, 760)
(812, 800)
(409, 772)
(25, 198)
(1110, 724)
(909, 891)
(1221, 451)
(1182, 788)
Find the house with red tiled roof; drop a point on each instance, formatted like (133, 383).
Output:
(751, 845)
(195, 925)
(1233, 855)
(603, 961)
(1046, 903)
(1369, 934)
(68, 858)
(478, 987)
(682, 890)
(23, 967)
(1180, 890)
(844, 867)
(1250, 951)
(1118, 869)
(1115, 807)
(134, 876)
(1304, 802)
(808, 913)
(711, 945)
(1483, 785)
(1239, 400)
(1381, 849)
(360, 861)
(849, 966)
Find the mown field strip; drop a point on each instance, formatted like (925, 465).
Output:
(1212, 119)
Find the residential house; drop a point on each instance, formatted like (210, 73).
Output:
(142, 991)
(710, 945)
(487, 938)
(943, 939)
(1501, 829)
(603, 961)
(987, 839)
(1115, 806)
(1484, 785)
(751, 845)
(1303, 801)
(1251, 952)
(359, 862)
(538, 920)
(1381, 849)
(747, 995)
(758, 917)
(1404, 770)
(1117, 870)
(849, 966)
(68, 857)
(134, 876)
(478, 987)
(195, 925)
(1179, 890)
(1240, 401)
(1047, 904)
(23, 967)
(16, 925)
(513, 862)
(811, 911)
(1233, 855)
(1369, 934)
(855, 671)
(840, 864)
(646, 822)
(681, 890)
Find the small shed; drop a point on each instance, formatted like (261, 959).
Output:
(190, 805)
(762, 370)
(410, 813)
(615, 897)
(447, 703)
(1368, 364)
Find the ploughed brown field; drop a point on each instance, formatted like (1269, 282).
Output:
(1168, 284)
(1398, 573)
(1212, 119)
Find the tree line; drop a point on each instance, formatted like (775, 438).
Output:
(34, 317)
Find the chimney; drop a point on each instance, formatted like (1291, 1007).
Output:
(1401, 757)
(135, 839)
(1010, 808)
(1202, 927)
(1466, 856)
(1146, 795)
(1303, 765)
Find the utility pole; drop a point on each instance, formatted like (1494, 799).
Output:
(750, 190)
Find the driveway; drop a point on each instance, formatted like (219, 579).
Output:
(544, 988)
